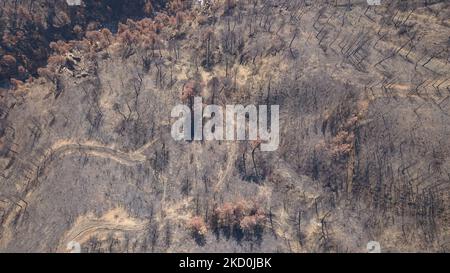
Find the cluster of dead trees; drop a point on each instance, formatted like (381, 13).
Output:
(132, 37)
(29, 27)
(240, 220)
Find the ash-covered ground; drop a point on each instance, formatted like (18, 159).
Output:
(87, 156)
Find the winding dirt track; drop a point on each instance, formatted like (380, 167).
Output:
(116, 220)
(88, 225)
(224, 173)
(66, 147)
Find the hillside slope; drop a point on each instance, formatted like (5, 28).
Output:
(86, 153)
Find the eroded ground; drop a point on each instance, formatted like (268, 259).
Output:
(87, 156)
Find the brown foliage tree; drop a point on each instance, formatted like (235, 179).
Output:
(188, 91)
(198, 226)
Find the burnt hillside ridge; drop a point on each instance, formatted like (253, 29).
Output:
(86, 153)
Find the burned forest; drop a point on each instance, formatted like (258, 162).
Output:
(87, 156)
